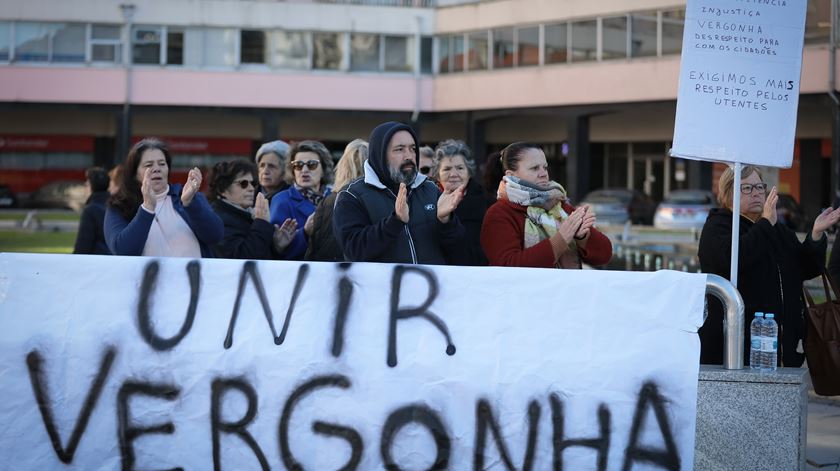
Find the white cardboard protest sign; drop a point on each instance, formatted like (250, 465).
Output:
(739, 81)
(139, 363)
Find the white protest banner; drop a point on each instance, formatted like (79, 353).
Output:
(139, 363)
(739, 81)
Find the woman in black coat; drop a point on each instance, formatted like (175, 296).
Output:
(454, 167)
(772, 264)
(248, 234)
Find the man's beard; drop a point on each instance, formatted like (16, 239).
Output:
(405, 174)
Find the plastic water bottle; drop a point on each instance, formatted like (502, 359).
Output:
(756, 334)
(769, 343)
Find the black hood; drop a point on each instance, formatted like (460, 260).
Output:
(378, 150)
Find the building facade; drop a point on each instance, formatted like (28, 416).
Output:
(594, 82)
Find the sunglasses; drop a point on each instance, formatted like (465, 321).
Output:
(244, 183)
(310, 164)
(747, 188)
(425, 170)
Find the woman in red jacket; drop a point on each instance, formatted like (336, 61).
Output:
(532, 224)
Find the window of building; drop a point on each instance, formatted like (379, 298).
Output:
(291, 49)
(528, 45)
(105, 44)
(478, 50)
(364, 51)
(643, 34)
(328, 51)
(673, 23)
(614, 38)
(556, 43)
(252, 47)
(174, 46)
(399, 54)
(5, 40)
(145, 42)
(444, 59)
(218, 47)
(32, 41)
(584, 41)
(503, 48)
(456, 43)
(68, 43)
(426, 46)
(818, 22)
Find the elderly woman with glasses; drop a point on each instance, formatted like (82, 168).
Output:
(248, 234)
(309, 170)
(772, 263)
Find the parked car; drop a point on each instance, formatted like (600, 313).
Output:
(789, 213)
(7, 197)
(62, 194)
(684, 209)
(618, 205)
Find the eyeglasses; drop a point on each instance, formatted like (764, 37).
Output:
(425, 170)
(747, 188)
(310, 164)
(244, 183)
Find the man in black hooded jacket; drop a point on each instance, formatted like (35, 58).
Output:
(394, 214)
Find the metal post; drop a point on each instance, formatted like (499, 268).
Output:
(736, 224)
(733, 320)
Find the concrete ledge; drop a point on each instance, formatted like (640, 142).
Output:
(751, 420)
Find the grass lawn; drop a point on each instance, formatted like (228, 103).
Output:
(44, 215)
(37, 242)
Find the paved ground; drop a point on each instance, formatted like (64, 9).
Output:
(823, 447)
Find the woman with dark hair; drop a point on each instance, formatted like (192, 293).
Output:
(91, 236)
(533, 224)
(322, 244)
(148, 216)
(309, 171)
(492, 173)
(452, 168)
(248, 234)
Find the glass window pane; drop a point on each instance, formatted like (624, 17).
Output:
(327, 51)
(32, 41)
(673, 23)
(614, 39)
(69, 43)
(643, 30)
(364, 51)
(193, 50)
(146, 44)
(556, 42)
(105, 32)
(175, 47)
(584, 41)
(5, 32)
(503, 48)
(528, 42)
(252, 47)
(426, 44)
(443, 55)
(818, 22)
(291, 49)
(106, 53)
(220, 47)
(456, 42)
(399, 53)
(478, 50)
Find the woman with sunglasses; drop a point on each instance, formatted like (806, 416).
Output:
(772, 263)
(248, 234)
(309, 170)
(149, 216)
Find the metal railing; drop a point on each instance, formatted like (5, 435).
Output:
(733, 320)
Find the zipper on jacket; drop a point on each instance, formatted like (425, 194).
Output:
(407, 232)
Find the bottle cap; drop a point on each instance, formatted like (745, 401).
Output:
(769, 315)
(759, 314)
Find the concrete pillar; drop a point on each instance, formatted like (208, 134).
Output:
(810, 176)
(699, 175)
(578, 163)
